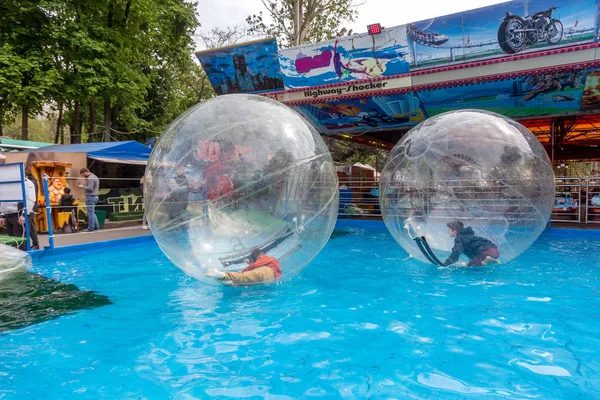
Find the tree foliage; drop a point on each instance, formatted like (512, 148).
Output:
(296, 22)
(219, 37)
(40, 129)
(120, 69)
(580, 170)
(26, 70)
(347, 152)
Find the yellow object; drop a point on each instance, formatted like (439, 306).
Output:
(63, 219)
(258, 275)
(56, 190)
(57, 183)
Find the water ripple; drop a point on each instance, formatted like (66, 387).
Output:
(371, 325)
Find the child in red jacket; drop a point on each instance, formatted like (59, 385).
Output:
(261, 269)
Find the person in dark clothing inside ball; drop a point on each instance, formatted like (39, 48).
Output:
(178, 198)
(479, 250)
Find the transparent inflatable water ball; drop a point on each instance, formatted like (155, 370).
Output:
(13, 260)
(478, 168)
(236, 180)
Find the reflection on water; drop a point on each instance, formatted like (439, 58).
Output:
(361, 321)
(338, 233)
(27, 299)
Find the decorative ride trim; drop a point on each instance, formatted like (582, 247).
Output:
(504, 76)
(446, 84)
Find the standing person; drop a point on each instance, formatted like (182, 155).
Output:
(479, 250)
(13, 218)
(91, 198)
(34, 210)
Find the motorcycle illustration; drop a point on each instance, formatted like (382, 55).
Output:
(516, 32)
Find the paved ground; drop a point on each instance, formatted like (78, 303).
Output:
(102, 235)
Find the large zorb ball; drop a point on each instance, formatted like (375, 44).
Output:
(236, 173)
(478, 167)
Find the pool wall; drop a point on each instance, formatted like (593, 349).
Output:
(93, 246)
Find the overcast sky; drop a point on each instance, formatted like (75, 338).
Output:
(223, 13)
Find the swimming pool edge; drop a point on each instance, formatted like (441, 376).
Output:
(92, 246)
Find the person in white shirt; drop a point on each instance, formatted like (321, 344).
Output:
(32, 212)
(12, 214)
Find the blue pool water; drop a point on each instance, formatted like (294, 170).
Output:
(360, 322)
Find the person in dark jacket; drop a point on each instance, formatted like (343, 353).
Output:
(177, 200)
(66, 203)
(479, 250)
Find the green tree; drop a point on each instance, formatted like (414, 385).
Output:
(580, 170)
(348, 153)
(157, 59)
(26, 70)
(172, 92)
(124, 63)
(83, 55)
(10, 76)
(218, 37)
(298, 22)
(40, 129)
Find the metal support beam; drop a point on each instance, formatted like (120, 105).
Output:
(552, 123)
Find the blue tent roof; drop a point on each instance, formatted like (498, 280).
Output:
(131, 151)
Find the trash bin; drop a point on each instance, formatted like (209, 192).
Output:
(101, 215)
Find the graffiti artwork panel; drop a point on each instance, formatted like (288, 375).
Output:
(536, 95)
(346, 59)
(358, 115)
(247, 68)
(500, 30)
(120, 201)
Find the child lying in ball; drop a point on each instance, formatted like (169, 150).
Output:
(261, 269)
(479, 250)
